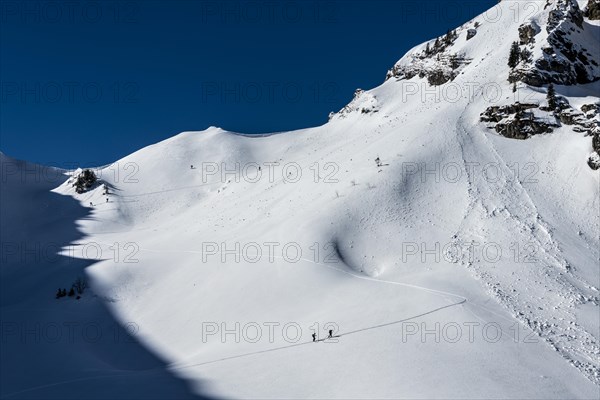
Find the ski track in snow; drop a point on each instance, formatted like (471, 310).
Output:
(463, 300)
(320, 340)
(185, 366)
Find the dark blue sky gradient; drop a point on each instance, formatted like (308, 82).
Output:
(88, 83)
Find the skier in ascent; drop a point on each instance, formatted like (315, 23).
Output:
(330, 333)
(314, 335)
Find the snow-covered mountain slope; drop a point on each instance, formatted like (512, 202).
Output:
(56, 348)
(463, 263)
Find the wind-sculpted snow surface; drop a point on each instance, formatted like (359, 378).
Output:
(448, 261)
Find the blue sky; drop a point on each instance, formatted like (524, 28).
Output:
(90, 82)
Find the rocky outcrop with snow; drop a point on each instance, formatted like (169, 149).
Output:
(362, 103)
(592, 10)
(559, 44)
(83, 180)
(519, 121)
(437, 62)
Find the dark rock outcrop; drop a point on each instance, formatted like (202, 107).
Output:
(498, 113)
(517, 121)
(439, 77)
(570, 116)
(519, 128)
(434, 62)
(84, 181)
(594, 158)
(439, 70)
(594, 161)
(564, 10)
(564, 60)
(527, 33)
(596, 141)
(523, 120)
(594, 108)
(363, 102)
(592, 10)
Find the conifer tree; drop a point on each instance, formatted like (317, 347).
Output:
(551, 97)
(514, 56)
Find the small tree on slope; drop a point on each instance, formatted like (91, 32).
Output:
(551, 97)
(514, 56)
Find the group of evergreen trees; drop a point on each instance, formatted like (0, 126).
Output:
(440, 45)
(78, 287)
(63, 292)
(516, 55)
(84, 181)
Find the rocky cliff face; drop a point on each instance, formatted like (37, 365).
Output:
(363, 102)
(437, 61)
(562, 52)
(556, 42)
(83, 180)
(519, 121)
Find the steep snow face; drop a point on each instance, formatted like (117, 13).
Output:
(450, 261)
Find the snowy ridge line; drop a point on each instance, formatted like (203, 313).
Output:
(320, 340)
(259, 135)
